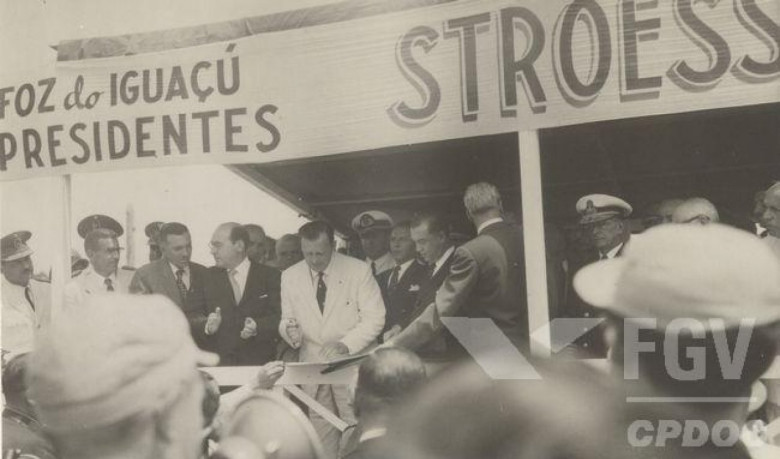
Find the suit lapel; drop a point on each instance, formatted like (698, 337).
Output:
(169, 280)
(309, 292)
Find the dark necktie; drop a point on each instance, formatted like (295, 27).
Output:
(28, 295)
(394, 278)
(373, 268)
(180, 284)
(322, 291)
(109, 284)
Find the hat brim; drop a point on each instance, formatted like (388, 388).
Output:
(597, 283)
(374, 228)
(600, 217)
(18, 256)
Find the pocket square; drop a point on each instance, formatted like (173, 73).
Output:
(264, 295)
(414, 288)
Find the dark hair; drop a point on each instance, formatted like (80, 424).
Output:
(252, 226)
(172, 228)
(385, 377)
(312, 230)
(403, 224)
(92, 238)
(239, 233)
(435, 222)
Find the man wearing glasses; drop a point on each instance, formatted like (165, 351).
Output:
(103, 275)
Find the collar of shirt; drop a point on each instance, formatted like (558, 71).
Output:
(403, 267)
(487, 223)
(98, 281)
(613, 253)
(185, 277)
(371, 434)
(326, 272)
(242, 272)
(442, 259)
(382, 263)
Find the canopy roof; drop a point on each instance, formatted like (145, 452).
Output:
(724, 155)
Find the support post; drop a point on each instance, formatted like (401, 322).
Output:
(533, 240)
(61, 261)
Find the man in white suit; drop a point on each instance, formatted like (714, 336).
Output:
(331, 307)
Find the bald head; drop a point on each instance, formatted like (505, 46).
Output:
(662, 211)
(229, 245)
(696, 210)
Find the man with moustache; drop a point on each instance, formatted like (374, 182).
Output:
(373, 228)
(100, 234)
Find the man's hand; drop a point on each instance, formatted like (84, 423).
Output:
(268, 375)
(334, 350)
(389, 334)
(294, 333)
(250, 328)
(213, 321)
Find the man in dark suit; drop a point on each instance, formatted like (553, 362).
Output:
(486, 278)
(401, 284)
(173, 275)
(431, 236)
(242, 300)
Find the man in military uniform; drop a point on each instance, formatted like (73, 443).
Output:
(100, 234)
(603, 219)
(676, 296)
(25, 306)
(373, 228)
(152, 231)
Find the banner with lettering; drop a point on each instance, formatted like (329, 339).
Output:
(449, 71)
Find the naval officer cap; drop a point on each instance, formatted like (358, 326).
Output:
(599, 207)
(688, 271)
(152, 231)
(14, 246)
(371, 220)
(98, 221)
(110, 362)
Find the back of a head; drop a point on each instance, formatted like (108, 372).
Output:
(481, 198)
(572, 412)
(698, 294)
(108, 368)
(386, 377)
(268, 425)
(696, 210)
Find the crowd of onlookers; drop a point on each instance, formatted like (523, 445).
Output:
(685, 313)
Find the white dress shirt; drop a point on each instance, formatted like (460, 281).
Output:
(382, 264)
(242, 273)
(185, 277)
(402, 269)
(443, 258)
(487, 223)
